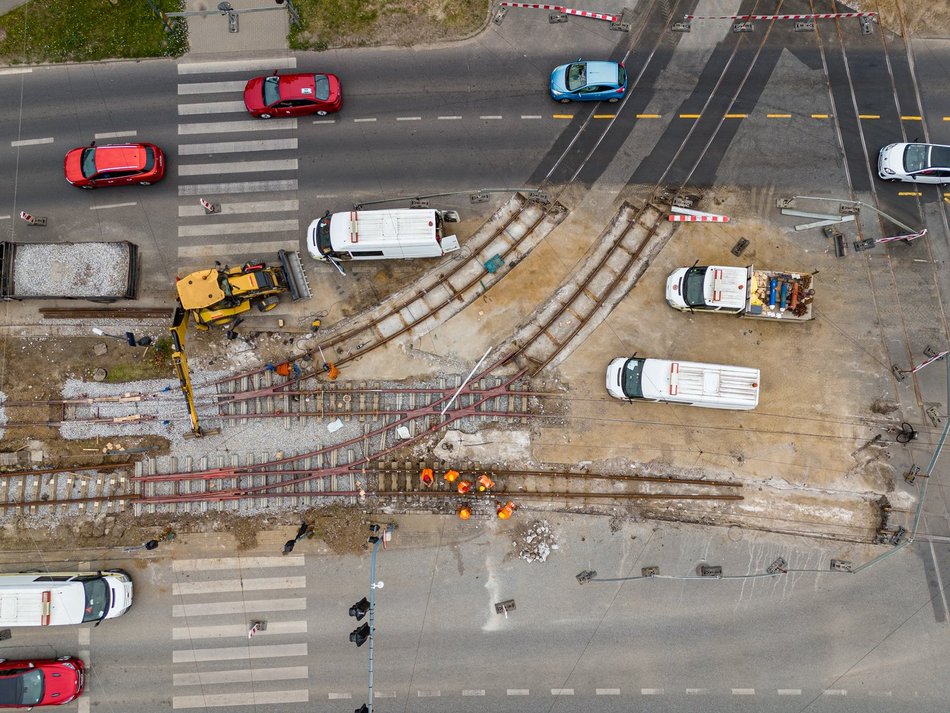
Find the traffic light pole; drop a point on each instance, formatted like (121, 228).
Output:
(373, 586)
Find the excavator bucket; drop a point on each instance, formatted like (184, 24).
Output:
(297, 282)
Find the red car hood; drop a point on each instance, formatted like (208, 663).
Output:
(254, 94)
(61, 683)
(73, 165)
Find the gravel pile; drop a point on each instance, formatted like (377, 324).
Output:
(537, 542)
(71, 270)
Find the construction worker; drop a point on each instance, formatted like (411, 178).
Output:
(427, 477)
(464, 486)
(450, 476)
(485, 483)
(464, 512)
(505, 511)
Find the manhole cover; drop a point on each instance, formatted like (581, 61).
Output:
(735, 533)
(99, 375)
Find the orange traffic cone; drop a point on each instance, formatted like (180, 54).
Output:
(464, 486)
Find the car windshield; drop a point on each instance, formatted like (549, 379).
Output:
(621, 76)
(271, 90)
(576, 76)
(630, 378)
(323, 236)
(25, 689)
(88, 162)
(915, 157)
(97, 599)
(693, 287)
(149, 159)
(322, 84)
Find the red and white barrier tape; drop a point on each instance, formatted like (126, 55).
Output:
(818, 16)
(707, 218)
(565, 10)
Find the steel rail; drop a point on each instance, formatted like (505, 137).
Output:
(49, 471)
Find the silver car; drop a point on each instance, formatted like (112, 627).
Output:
(915, 163)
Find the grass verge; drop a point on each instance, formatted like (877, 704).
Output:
(45, 31)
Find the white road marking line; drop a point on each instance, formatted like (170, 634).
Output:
(16, 70)
(254, 675)
(250, 563)
(531, 116)
(202, 189)
(114, 134)
(221, 127)
(562, 691)
(743, 691)
(241, 606)
(255, 698)
(201, 169)
(84, 637)
(387, 694)
(489, 117)
(324, 121)
(236, 146)
(428, 694)
(518, 692)
(211, 108)
(206, 251)
(258, 226)
(224, 631)
(880, 694)
(607, 691)
(238, 585)
(408, 118)
(240, 653)
(651, 691)
(112, 205)
(288, 206)
(790, 691)
(83, 704)
(211, 87)
(357, 121)
(479, 692)
(449, 118)
(233, 66)
(32, 142)
(835, 692)
(696, 691)
(336, 696)
(5, 217)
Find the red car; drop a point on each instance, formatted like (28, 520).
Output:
(293, 95)
(43, 682)
(115, 165)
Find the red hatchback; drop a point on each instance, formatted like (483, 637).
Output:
(43, 682)
(293, 95)
(115, 165)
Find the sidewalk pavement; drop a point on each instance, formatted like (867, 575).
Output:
(257, 31)
(7, 5)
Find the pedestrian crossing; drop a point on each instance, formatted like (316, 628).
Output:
(215, 664)
(246, 166)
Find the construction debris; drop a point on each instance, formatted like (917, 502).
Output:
(536, 542)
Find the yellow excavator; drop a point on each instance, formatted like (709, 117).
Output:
(217, 296)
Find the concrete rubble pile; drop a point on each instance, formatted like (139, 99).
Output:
(537, 542)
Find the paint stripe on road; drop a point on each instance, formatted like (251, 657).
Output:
(743, 691)
(288, 206)
(206, 251)
(648, 116)
(689, 116)
(408, 118)
(384, 694)
(243, 653)
(211, 87)
(778, 116)
(880, 694)
(493, 117)
(651, 691)
(224, 631)
(211, 108)
(835, 692)
(241, 606)
(237, 146)
(607, 691)
(257, 226)
(912, 118)
(605, 116)
(531, 116)
(254, 698)
(112, 205)
(238, 585)
(201, 169)
(254, 675)
(114, 135)
(201, 189)
(337, 696)
(518, 692)
(562, 691)
(478, 692)
(16, 70)
(32, 142)
(869, 116)
(428, 694)
(789, 691)
(449, 118)
(234, 66)
(697, 691)
(222, 127)
(820, 116)
(358, 121)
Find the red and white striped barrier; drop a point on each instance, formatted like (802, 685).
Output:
(207, 205)
(27, 217)
(565, 10)
(817, 16)
(705, 218)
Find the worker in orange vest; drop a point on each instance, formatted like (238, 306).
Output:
(464, 486)
(505, 511)
(427, 476)
(450, 476)
(464, 512)
(485, 483)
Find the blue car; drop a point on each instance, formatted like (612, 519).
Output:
(583, 81)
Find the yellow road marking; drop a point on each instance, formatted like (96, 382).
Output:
(689, 116)
(869, 116)
(819, 116)
(909, 193)
(563, 116)
(648, 116)
(605, 116)
(911, 118)
(946, 118)
(737, 116)
(779, 116)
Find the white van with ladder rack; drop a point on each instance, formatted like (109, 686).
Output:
(684, 382)
(57, 598)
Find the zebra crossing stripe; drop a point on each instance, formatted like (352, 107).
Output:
(254, 675)
(201, 169)
(211, 108)
(221, 127)
(202, 189)
(253, 698)
(225, 631)
(238, 585)
(253, 606)
(286, 206)
(236, 563)
(211, 87)
(234, 66)
(257, 226)
(237, 146)
(239, 653)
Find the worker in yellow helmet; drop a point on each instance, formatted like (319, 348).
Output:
(450, 476)
(464, 512)
(485, 483)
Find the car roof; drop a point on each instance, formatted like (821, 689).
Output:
(601, 72)
(297, 86)
(120, 157)
(939, 156)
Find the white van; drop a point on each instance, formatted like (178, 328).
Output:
(381, 234)
(684, 382)
(55, 598)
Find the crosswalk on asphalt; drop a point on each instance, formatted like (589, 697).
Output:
(211, 108)
(215, 602)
